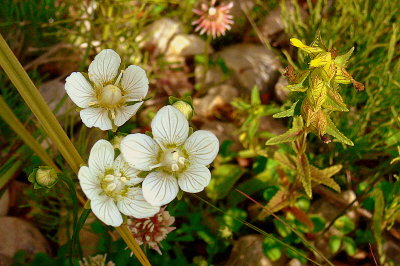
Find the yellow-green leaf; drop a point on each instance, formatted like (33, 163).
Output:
(334, 102)
(317, 93)
(290, 135)
(334, 132)
(321, 60)
(306, 48)
(323, 176)
(286, 113)
(342, 76)
(342, 60)
(304, 174)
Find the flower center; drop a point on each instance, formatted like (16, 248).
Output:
(110, 96)
(212, 11)
(113, 184)
(174, 160)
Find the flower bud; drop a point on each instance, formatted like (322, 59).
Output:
(185, 108)
(43, 177)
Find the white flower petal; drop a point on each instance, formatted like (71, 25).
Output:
(79, 90)
(170, 126)
(202, 147)
(124, 113)
(101, 156)
(120, 165)
(135, 205)
(135, 83)
(89, 182)
(140, 151)
(104, 67)
(194, 179)
(159, 188)
(106, 210)
(96, 117)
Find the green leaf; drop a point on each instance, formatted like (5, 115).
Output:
(377, 219)
(334, 243)
(272, 249)
(317, 94)
(255, 96)
(297, 87)
(223, 179)
(342, 60)
(304, 174)
(324, 176)
(334, 102)
(321, 60)
(306, 48)
(290, 135)
(282, 229)
(334, 132)
(344, 224)
(349, 245)
(319, 223)
(286, 113)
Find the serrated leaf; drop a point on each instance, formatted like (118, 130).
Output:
(296, 87)
(301, 76)
(277, 202)
(334, 102)
(286, 113)
(323, 176)
(334, 132)
(342, 60)
(304, 174)
(290, 135)
(317, 93)
(285, 160)
(342, 76)
(306, 48)
(321, 60)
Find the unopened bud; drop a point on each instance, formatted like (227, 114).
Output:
(185, 109)
(43, 177)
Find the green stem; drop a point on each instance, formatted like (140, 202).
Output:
(36, 103)
(16, 125)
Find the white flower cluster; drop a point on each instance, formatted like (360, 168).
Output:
(167, 162)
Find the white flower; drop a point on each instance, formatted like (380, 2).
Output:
(111, 186)
(107, 100)
(178, 161)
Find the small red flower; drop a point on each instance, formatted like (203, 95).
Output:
(213, 19)
(151, 231)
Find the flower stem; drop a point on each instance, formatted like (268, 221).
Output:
(132, 244)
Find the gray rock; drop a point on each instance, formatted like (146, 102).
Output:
(17, 234)
(159, 34)
(272, 24)
(183, 45)
(217, 98)
(53, 91)
(4, 203)
(248, 250)
(281, 92)
(251, 64)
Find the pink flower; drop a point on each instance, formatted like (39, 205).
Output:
(151, 231)
(213, 19)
